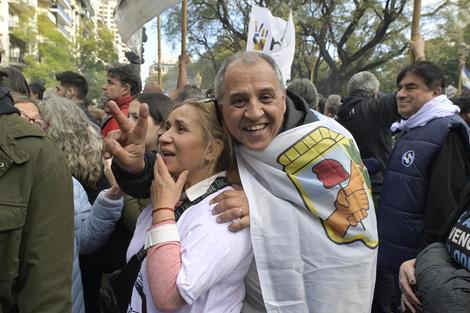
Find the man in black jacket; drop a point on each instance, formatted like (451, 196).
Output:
(74, 86)
(369, 118)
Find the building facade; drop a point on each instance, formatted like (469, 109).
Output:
(68, 15)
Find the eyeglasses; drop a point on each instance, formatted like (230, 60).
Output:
(43, 124)
(217, 109)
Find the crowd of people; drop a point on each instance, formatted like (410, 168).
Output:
(254, 196)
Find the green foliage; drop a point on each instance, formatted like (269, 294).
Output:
(95, 52)
(169, 80)
(49, 51)
(152, 78)
(334, 39)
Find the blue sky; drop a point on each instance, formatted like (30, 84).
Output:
(151, 48)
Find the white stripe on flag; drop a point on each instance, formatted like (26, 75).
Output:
(131, 15)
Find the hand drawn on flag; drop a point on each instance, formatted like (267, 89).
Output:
(259, 37)
(331, 158)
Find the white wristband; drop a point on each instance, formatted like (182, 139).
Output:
(163, 233)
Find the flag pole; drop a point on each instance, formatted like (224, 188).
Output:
(415, 26)
(184, 25)
(159, 56)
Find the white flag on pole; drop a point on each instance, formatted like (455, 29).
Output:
(273, 36)
(131, 15)
(301, 256)
(135, 42)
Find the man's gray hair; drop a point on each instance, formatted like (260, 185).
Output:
(306, 89)
(333, 102)
(248, 59)
(363, 84)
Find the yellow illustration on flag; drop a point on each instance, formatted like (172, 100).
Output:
(312, 220)
(310, 155)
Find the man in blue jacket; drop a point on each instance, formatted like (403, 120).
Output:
(427, 169)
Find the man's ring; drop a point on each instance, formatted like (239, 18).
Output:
(241, 212)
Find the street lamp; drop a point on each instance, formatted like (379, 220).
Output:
(462, 51)
(311, 62)
(198, 80)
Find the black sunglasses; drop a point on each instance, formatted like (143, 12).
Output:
(217, 109)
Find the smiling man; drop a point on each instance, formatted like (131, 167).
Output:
(299, 175)
(427, 170)
(313, 223)
(122, 84)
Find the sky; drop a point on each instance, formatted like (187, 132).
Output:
(151, 48)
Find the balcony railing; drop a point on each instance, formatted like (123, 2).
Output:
(17, 59)
(65, 3)
(21, 5)
(61, 10)
(64, 31)
(13, 25)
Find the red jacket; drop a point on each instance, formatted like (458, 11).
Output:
(111, 123)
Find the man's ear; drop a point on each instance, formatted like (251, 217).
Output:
(70, 93)
(437, 92)
(126, 88)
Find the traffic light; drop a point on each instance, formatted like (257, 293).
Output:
(132, 57)
(144, 35)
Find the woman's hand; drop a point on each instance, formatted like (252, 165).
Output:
(108, 173)
(165, 192)
(114, 193)
(407, 279)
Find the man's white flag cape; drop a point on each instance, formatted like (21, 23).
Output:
(131, 15)
(273, 36)
(303, 190)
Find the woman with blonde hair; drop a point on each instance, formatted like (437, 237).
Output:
(81, 141)
(193, 264)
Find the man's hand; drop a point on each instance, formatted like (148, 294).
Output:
(407, 279)
(232, 204)
(127, 145)
(184, 58)
(417, 47)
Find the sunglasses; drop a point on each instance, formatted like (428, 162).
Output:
(43, 124)
(217, 108)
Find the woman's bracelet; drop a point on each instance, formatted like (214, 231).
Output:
(158, 209)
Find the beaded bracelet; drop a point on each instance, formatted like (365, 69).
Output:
(158, 209)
